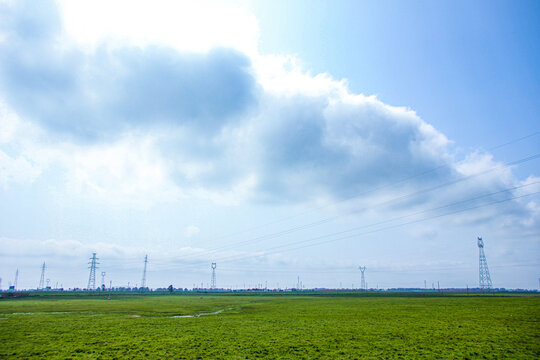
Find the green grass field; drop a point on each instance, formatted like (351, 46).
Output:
(271, 326)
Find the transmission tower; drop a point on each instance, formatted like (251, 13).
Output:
(16, 279)
(213, 283)
(42, 278)
(484, 278)
(143, 282)
(363, 282)
(103, 273)
(92, 278)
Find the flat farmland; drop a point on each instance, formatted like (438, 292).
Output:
(272, 326)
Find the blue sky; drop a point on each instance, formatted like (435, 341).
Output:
(468, 67)
(278, 140)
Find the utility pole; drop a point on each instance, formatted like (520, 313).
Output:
(16, 279)
(92, 278)
(42, 278)
(103, 273)
(483, 271)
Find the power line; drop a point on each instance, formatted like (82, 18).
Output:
(372, 231)
(396, 199)
(283, 248)
(298, 228)
(319, 222)
(513, 141)
(343, 270)
(290, 230)
(447, 163)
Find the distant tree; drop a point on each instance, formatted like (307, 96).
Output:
(170, 288)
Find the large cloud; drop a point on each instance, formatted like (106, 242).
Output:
(218, 124)
(95, 95)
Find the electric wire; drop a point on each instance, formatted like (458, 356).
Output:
(374, 206)
(326, 220)
(403, 180)
(266, 252)
(283, 248)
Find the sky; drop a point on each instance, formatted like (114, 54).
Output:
(285, 141)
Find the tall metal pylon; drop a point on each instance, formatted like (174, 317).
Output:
(92, 278)
(363, 282)
(143, 282)
(213, 283)
(16, 279)
(42, 278)
(483, 271)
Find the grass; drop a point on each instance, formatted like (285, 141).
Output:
(252, 327)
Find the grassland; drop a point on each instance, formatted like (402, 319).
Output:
(251, 327)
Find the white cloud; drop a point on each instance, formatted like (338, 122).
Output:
(192, 26)
(129, 170)
(283, 75)
(191, 231)
(16, 170)
(122, 132)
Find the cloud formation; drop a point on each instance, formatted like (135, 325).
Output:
(219, 124)
(109, 91)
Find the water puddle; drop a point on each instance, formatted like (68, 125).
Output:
(133, 315)
(212, 313)
(23, 313)
(43, 313)
(197, 315)
(58, 312)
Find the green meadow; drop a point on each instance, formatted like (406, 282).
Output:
(232, 326)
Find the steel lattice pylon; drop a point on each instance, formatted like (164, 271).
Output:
(42, 278)
(363, 280)
(92, 278)
(16, 279)
(483, 271)
(143, 282)
(213, 283)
